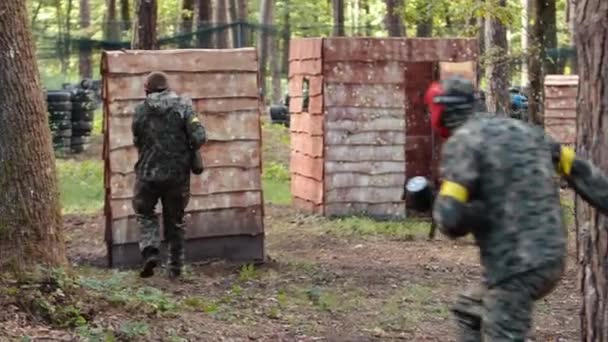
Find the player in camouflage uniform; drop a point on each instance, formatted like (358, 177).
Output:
(165, 132)
(498, 183)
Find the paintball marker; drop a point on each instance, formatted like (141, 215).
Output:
(419, 196)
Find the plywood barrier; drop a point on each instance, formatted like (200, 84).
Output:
(225, 212)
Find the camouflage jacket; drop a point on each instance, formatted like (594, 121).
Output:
(511, 200)
(165, 131)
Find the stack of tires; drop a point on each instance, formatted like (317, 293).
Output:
(83, 109)
(60, 119)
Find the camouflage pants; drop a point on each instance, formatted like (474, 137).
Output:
(174, 198)
(504, 312)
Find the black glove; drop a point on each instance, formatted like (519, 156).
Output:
(196, 162)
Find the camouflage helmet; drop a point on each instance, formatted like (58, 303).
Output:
(156, 81)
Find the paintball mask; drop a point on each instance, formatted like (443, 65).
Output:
(449, 102)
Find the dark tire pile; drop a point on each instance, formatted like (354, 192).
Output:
(71, 116)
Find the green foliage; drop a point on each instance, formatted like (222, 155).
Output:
(81, 185)
(134, 329)
(276, 171)
(90, 334)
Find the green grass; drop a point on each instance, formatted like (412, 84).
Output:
(81, 185)
(407, 229)
(98, 122)
(275, 182)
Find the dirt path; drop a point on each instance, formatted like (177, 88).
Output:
(317, 286)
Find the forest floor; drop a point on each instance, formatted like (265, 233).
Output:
(351, 279)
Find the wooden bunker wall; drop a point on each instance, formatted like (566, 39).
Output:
(560, 107)
(306, 124)
(364, 126)
(225, 211)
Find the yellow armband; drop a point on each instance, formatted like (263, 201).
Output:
(454, 190)
(566, 159)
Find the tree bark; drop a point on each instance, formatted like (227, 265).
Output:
(286, 38)
(85, 63)
(525, 24)
(243, 17)
(112, 28)
(366, 10)
(536, 53)
(275, 63)
(265, 19)
(338, 17)
(125, 15)
(547, 13)
(425, 28)
(219, 18)
(144, 30)
(497, 66)
(233, 18)
(31, 227)
(592, 142)
(571, 16)
(394, 24)
(204, 19)
(186, 25)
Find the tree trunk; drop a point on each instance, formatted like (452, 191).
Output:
(571, 16)
(144, 30)
(125, 15)
(112, 27)
(481, 37)
(31, 227)
(85, 63)
(592, 142)
(233, 18)
(219, 18)
(497, 67)
(67, 42)
(525, 24)
(338, 17)
(275, 63)
(265, 19)
(286, 38)
(366, 10)
(204, 19)
(243, 16)
(536, 53)
(548, 13)
(186, 25)
(425, 28)
(393, 21)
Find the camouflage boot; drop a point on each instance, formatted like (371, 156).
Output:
(151, 260)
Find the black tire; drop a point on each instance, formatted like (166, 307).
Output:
(82, 125)
(80, 140)
(61, 125)
(60, 116)
(83, 96)
(278, 113)
(83, 116)
(79, 148)
(61, 141)
(58, 96)
(83, 106)
(81, 133)
(63, 134)
(59, 106)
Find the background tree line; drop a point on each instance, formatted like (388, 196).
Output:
(521, 40)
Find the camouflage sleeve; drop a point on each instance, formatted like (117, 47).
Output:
(586, 179)
(135, 127)
(453, 211)
(194, 128)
